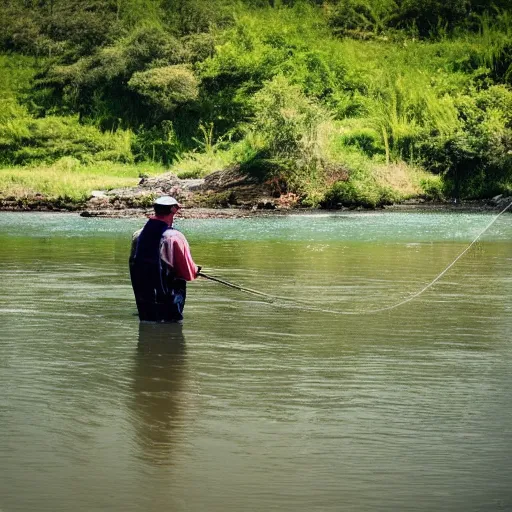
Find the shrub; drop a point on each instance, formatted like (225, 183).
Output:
(475, 160)
(473, 166)
(97, 86)
(433, 187)
(198, 47)
(348, 193)
(149, 44)
(165, 88)
(71, 28)
(289, 121)
(26, 140)
(317, 73)
(158, 143)
(341, 193)
(432, 16)
(83, 25)
(193, 16)
(365, 139)
(350, 16)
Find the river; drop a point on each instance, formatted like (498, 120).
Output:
(254, 405)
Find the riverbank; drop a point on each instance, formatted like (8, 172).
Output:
(300, 101)
(223, 194)
(492, 205)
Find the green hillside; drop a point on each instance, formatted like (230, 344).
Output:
(335, 102)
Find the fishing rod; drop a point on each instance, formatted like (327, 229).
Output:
(270, 298)
(236, 286)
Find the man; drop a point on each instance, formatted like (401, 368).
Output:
(161, 265)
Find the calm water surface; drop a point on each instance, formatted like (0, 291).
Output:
(254, 406)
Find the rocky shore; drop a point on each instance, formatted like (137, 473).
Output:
(223, 194)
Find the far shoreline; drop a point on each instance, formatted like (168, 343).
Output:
(195, 212)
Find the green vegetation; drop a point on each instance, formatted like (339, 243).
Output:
(68, 179)
(341, 102)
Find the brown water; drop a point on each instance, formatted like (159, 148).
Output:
(254, 406)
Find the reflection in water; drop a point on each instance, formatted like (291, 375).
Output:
(158, 386)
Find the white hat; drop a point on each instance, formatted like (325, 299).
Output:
(166, 201)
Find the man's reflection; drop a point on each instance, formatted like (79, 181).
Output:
(158, 388)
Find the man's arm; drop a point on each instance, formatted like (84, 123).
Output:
(175, 251)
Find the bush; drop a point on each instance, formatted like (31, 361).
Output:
(158, 143)
(477, 159)
(365, 139)
(149, 44)
(26, 140)
(198, 47)
(349, 194)
(473, 166)
(97, 86)
(83, 25)
(432, 16)
(433, 188)
(165, 88)
(71, 28)
(193, 16)
(317, 73)
(423, 17)
(350, 16)
(288, 120)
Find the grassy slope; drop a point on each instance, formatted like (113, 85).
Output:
(68, 177)
(389, 92)
(69, 180)
(389, 95)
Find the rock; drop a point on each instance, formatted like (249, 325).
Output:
(228, 178)
(164, 182)
(98, 193)
(499, 201)
(192, 184)
(266, 205)
(98, 201)
(240, 190)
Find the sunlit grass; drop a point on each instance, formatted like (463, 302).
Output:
(67, 178)
(197, 165)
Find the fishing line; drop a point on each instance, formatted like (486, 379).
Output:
(298, 303)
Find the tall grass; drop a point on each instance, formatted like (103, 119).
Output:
(68, 178)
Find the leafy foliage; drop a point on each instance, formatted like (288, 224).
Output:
(477, 158)
(57, 27)
(165, 88)
(158, 143)
(289, 88)
(424, 18)
(288, 119)
(24, 141)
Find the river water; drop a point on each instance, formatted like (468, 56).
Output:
(252, 405)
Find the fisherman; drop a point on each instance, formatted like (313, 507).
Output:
(161, 265)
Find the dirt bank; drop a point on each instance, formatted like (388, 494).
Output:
(223, 194)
